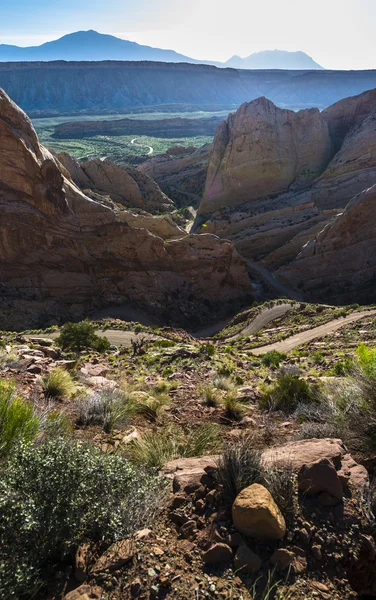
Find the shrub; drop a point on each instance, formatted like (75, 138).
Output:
(75, 337)
(234, 409)
(58, 384)
(286, 394)
(159, 446)
(55, 495)
(210, 395)
(106, 408)
(18, 422)
(223, 383)
(272, 358)
(237, 468)
(54, 423)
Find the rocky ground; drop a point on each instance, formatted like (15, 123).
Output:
(303, 529)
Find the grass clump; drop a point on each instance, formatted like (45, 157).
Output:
(286, 393)
(237, 468)
(282, 484)
(75, 337)
(18, 421)
(107, 408)
(210, 396)
(58, 384)
(56, 494)
(272, 358)
(159, 446)
(234, 408)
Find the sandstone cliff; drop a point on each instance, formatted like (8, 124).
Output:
(262, 150)
(272, 209)
(125, 185)
(339, 264)
(63, 254)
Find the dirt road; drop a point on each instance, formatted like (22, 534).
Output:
(311, 334)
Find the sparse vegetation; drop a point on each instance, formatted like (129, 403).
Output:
(273, 358)
(106, 408)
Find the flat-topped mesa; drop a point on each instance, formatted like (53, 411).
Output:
(63, 254)
(339, 265)
(263, 150)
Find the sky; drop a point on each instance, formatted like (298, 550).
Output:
(338, 34)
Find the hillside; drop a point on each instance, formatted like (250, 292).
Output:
(274, 59)
(95, 87)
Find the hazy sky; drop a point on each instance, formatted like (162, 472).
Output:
(339, 34)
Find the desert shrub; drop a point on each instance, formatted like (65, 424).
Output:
(58, 384)
(54, 423)
(107, 408)
(285, 395)
(18, 421)
(208, 349)
(53, 495)
(75, 337)
(272, 358)
(210, 396)
(237, 468)
(343, 368)
(151, 404)
(159, 446)
(223, 383)
(312, 430)
(234, 408)
(282, 484)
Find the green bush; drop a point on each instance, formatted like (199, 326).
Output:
(286, 394)
(75, 337)
(57, 494)
(272, 358)
(18, 421)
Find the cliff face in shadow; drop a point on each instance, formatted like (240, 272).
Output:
(69, 87)
(63, 254)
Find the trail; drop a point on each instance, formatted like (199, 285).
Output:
(150, 148)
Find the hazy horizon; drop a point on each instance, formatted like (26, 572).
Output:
(338, 34)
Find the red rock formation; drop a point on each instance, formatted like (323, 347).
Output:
(62, 254)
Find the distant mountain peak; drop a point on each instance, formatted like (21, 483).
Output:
(275, 59)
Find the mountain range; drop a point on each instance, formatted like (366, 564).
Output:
(93, 46)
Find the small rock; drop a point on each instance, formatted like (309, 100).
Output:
(189, 529)
(317, 552)
(218, 553)
(115, 557)
(136, 587)
(247, 561)
(85, 592)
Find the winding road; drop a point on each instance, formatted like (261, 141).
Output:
(120, 337)
(150, 148)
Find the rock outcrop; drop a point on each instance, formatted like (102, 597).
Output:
(125, 185)
(279, 210)
(262, 150)
(339, 264)
(63, 254)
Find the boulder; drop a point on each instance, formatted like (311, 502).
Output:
(246, 561)
(256, 515)
(306, 452)
(189, 474)
(85, 592)
(217, 554)
(117, 555)
(318, 477)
